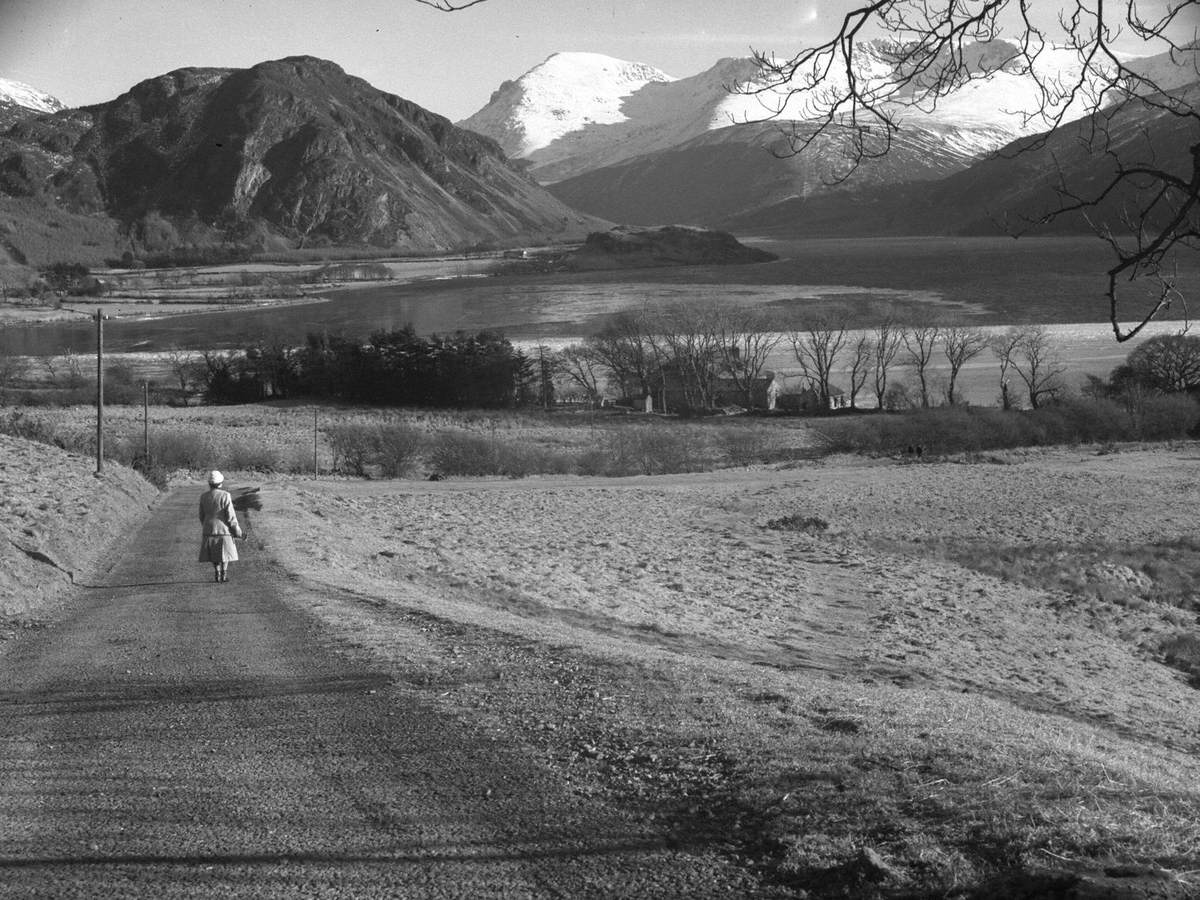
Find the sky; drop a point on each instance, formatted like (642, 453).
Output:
(89, 51)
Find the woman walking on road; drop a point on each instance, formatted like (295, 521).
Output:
(220, 526)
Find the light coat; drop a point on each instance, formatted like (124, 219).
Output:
(219, 524)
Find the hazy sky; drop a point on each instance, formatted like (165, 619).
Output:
(86, 51)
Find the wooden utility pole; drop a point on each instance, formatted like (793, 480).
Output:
(146, 425)
(99, 392)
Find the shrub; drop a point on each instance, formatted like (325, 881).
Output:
(651, 450)
(182, 449)
(744, 446)
(31, 428)
(249, 455)
(963, 429)
(351, 447)
(797, 522)
(1163, 417)
(399, 447)
(390, 449)
(455, 453)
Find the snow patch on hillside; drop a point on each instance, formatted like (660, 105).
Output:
(20, 94)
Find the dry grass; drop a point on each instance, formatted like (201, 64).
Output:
(797, 693)
(281, 438)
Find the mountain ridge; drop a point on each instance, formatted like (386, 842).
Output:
(674, 157)
(290, 152)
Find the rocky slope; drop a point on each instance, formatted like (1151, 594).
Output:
(289, 152)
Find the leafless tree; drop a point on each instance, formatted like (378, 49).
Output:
(862, 357)
(12, 369)
(184, 367)
(887, 341)
(691, 336)
(920, 341)
(1005, 345)
(960, 345)
(448, 6)
(74, 367)
(1035, 360)
(746, 337)
(816, 345)
(581, 366)
(50, 363)
(932, 50)
(627, 347)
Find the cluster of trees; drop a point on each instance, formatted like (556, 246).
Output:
(694, 348)
(695, 356)
(714, 346)
(1167, 364)
(398, 368)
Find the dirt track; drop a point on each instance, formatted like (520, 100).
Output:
(173, 737)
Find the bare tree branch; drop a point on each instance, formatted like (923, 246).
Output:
(857, 89)
(448, 6)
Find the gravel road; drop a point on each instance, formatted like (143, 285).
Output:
(171, 737)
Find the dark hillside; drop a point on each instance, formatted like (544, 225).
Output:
(1011, 191)
(293, 151)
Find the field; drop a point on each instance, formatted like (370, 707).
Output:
(865, 676)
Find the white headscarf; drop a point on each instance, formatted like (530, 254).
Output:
(215, 478)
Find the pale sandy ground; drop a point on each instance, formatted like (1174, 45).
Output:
(686, 563)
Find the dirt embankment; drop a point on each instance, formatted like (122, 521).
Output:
(58, 520)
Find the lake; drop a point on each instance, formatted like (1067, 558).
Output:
(983, 281)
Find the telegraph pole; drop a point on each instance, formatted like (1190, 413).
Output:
(99, 392)
(146, 424)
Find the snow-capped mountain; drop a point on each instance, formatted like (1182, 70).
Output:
(578, 112)
(15, 93)
(663, 151)
(567, 93)
(18, 101)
